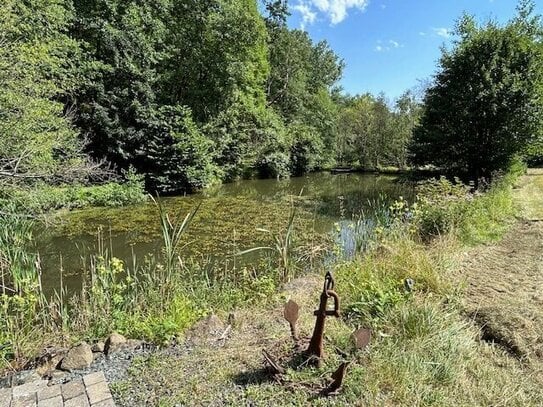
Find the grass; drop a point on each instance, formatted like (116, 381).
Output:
(155, 299)
(529, 195)
(424, 350)
(42, 198)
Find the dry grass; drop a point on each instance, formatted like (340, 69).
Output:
(529, 195)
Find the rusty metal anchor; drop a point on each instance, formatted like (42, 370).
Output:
(315, 349)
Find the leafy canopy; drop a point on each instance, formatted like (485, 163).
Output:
(485, 105)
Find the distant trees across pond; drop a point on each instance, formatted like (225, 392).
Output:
(188, 93)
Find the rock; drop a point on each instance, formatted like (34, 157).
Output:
(207, 330)
(98, 356)
(48, 365)
(20, 378)
(114, 343)
(98, 347)
(134, 344)
(57, 376)
(79, 357)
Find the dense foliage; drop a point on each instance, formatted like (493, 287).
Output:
(374, 135)
(486, 104)
(188, 93)
(38, 142)
(193, 92)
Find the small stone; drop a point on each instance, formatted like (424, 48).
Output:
(72, 389)
(79, 357)
(134, 344)
(47, 367)
(56, 376)
(207, 329)
(114, 343)
(98, 347)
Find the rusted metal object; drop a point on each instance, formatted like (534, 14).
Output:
(338, 376)
(274, 366)
(315, 349)
(362, 338)
(291, 314)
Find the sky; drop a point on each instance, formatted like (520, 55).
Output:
(390, 46)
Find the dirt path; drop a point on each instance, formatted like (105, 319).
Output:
(505, 280)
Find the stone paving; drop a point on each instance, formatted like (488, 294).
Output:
(90, 391)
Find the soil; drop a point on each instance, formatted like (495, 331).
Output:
(504, 292)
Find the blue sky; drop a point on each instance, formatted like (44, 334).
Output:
(389, 45)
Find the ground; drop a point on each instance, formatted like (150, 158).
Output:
(486, 350)
(504, 291)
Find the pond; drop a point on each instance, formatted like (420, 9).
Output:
(226, 222)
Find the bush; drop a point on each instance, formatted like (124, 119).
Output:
(178, 157)
(307, 151)
(274, 165)
(442, 205)
(43, 198)
(447, 207)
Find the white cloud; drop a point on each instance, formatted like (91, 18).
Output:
(334, 10)
(380, 47)
(442, 32)
(308, 15)
(422, 33)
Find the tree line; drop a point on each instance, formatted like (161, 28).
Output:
(188, 93)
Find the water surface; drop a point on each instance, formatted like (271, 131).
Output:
(226, 222)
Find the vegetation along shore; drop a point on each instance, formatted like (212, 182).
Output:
(172, 173)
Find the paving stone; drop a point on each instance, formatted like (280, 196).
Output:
(26, 400)
(5, 397)
(79, 401)
(72, 389)
(104, 403)
(98, 392)
(29, 388)
(94, 378)
(51, 402)
(49, 392)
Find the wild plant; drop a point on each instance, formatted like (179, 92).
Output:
(282, 247)
(21, 296)
(172, 232)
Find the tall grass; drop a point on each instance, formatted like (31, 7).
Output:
(156, 298)
(424, 351)
(282, 248)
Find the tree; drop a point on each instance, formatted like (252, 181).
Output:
(148, 59)
(37, 70)
(486, 103)
(373, 133)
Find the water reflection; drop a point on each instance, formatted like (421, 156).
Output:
(226, 222)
